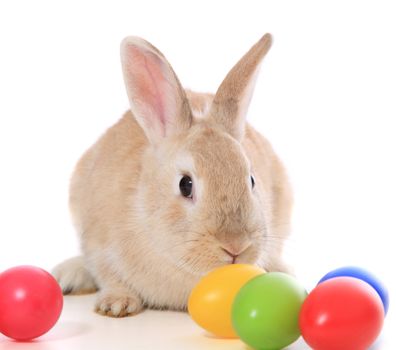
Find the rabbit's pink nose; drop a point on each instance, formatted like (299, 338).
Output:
(231, 254)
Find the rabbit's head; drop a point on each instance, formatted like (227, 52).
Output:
(197, 197)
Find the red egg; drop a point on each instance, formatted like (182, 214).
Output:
(31, 302)
(342, 313)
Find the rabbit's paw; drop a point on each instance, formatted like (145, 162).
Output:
(118, 305)
(74, 278)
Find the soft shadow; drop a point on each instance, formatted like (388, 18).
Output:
(10, 344)
(299, 344)
(63, 330)
(212, 336)
(202, 342)
(236, 340)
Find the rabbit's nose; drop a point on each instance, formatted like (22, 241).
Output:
(233, 256)
(229, 253)
(233, 253)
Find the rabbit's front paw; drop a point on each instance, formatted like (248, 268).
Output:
(118, 305)
(73, 277)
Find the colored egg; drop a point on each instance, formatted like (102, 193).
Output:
(31, 302)
(266, 310)
(364, 275)
(342, 313)
(211, 299)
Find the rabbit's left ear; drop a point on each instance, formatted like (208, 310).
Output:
(232, 99)
(156, 96)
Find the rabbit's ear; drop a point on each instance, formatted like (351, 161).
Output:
(232, 99)
(157, 99)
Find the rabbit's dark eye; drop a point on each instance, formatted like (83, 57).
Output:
(186, 186)
(253, 182)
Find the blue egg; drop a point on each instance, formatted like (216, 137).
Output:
(364, 275)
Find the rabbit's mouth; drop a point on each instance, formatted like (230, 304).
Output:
(237, 255)
(232, 255)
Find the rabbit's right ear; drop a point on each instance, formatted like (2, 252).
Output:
(232, 99)
(156, 97)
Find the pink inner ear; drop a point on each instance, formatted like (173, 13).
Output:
(148, 87)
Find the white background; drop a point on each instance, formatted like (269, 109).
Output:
(326, 99)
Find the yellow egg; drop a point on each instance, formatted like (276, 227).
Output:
(210, 301)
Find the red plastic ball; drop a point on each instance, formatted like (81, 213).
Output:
(342, 313)
(31, 302)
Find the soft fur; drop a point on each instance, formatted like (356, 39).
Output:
(143, 243)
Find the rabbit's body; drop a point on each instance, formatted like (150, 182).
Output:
(143, 244)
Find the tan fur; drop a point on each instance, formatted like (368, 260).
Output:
(145, 244)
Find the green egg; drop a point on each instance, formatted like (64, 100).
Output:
(265, 312)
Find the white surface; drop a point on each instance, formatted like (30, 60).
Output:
(325, 98)
(81, 328)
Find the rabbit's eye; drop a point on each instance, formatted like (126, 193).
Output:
(185, 186)
(252, 179)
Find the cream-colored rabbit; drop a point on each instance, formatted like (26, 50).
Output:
(179, 186)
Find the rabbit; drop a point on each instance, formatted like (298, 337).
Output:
(179, 186)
